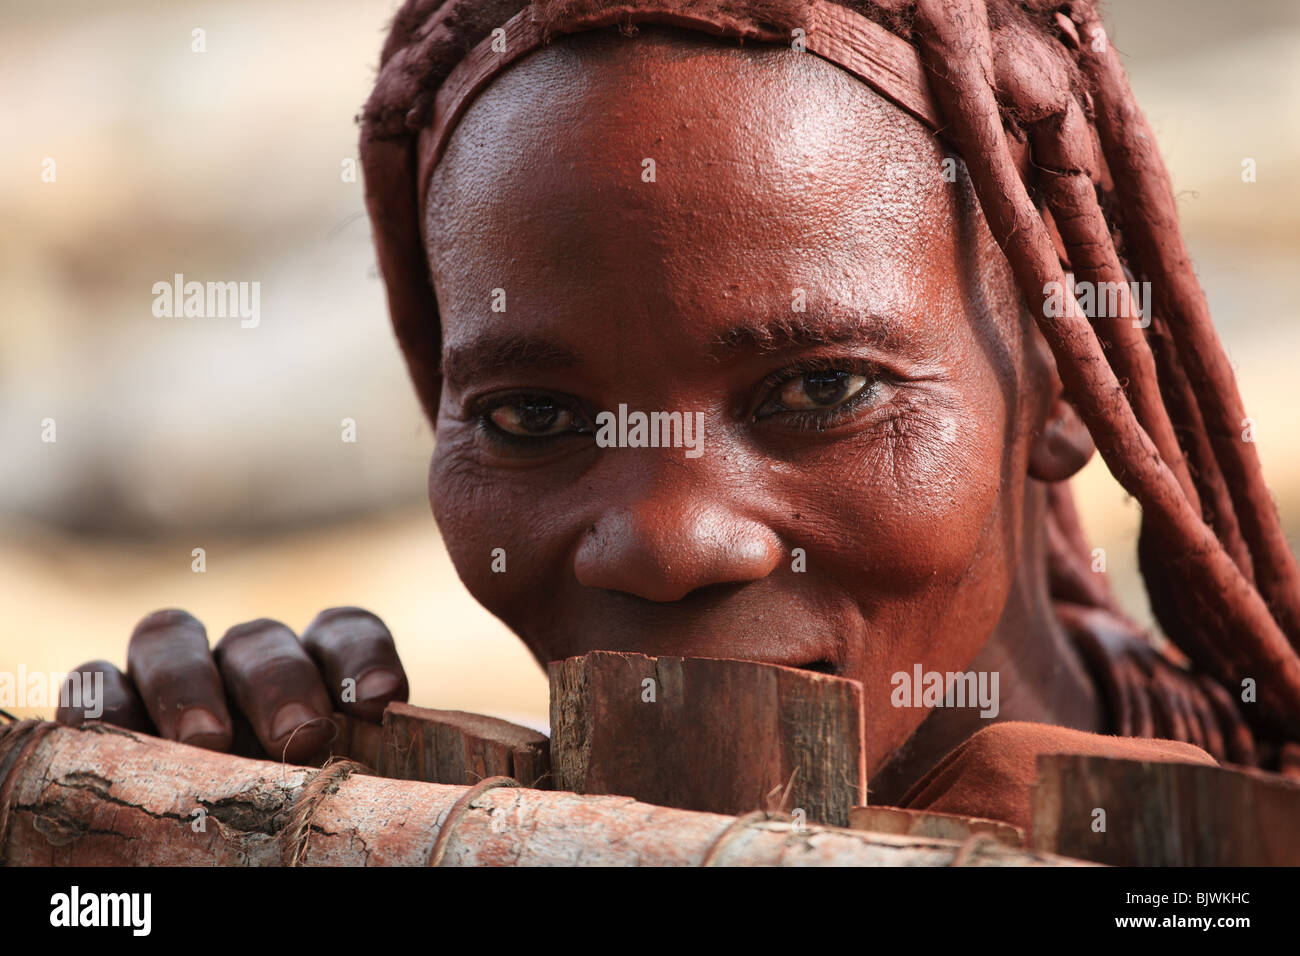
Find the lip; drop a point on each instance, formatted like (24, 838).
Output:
(782, 633)
(823, 664)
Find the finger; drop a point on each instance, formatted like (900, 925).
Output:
(169, 662)
(99, 691)
(358, 660)
(278, 688)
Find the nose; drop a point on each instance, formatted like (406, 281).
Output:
(662, 550)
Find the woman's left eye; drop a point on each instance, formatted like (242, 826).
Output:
(822, 398)
(820, 390)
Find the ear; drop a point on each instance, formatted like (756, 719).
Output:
(1062, 447)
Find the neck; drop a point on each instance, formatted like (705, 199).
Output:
(1041, 676)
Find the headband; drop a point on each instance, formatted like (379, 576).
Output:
(403, 136)
(887, 63)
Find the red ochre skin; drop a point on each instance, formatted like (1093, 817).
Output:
(919, 504)
(919, 509)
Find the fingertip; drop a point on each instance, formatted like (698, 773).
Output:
(274, 683)
(99, 691)
(164, 618)
(380, 684)
(298, 732)
(376, 689)
(358, 658)
(249, 628)
(344, 610)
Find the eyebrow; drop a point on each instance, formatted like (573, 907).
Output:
(794, 333)
(464, 364)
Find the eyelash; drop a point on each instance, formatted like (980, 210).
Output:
(480, 410)
(826, 418)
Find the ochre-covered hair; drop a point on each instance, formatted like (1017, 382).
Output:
(1012, 80)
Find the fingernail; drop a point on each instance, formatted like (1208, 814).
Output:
(199, 728)
(375, 684)
(289, 718)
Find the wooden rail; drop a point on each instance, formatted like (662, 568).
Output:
(98, 796)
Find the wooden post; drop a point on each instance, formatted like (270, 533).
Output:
(1131, 813)
(451, 746)
(716, 735)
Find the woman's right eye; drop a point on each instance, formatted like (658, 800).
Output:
(532, 417)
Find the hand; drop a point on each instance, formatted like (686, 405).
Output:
(260, 692)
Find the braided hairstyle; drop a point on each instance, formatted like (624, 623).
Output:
(1015, 78)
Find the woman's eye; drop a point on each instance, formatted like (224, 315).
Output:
(532, 418)
(813, 391)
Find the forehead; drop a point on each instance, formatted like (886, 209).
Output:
(693, 170)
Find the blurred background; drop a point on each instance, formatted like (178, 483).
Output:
(231, 164)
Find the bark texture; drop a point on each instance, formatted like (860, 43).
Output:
(654, 728)
(96, 795)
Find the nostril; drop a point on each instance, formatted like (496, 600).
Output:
(710, 593)
(664, 551)
(696, 600)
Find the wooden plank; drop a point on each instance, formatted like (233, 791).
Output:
(721, 736)
(943, 826)
(454, 747)
(1164, 814)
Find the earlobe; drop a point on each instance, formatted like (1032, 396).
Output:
(1063, 447)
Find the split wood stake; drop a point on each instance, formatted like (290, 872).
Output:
(713, 735)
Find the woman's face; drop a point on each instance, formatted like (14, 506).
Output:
(799, 275)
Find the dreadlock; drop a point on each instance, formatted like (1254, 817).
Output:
(1011, 79)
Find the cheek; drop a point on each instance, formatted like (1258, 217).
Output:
(918, 528)
(904, 509)
(503, 538)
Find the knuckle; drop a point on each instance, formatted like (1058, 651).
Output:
(259, 631)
